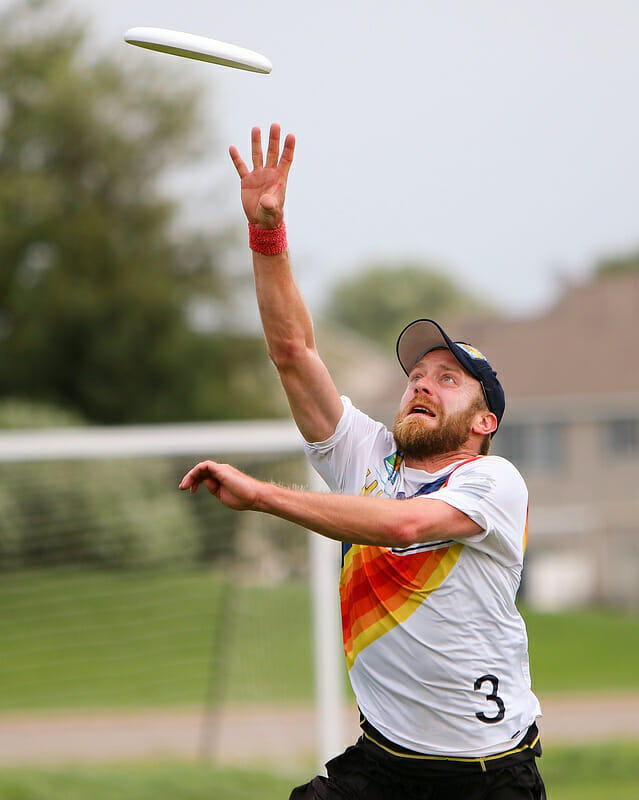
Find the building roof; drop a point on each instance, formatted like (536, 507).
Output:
(586, 345)
(577, 357)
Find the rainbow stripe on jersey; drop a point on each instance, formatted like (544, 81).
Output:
(380, 587)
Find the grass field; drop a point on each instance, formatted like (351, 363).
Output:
(145, 782)
(78, 639)
(583, 651)
(74, 639)
(601, 773)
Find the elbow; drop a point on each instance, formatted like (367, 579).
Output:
(414, 522)
(406, 532)
(288, 354)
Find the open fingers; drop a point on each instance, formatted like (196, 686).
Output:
(236, 158)
(273, 152)
(287, 153)
(256, 148)
(273, 159)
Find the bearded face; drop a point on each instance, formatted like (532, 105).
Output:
(416, 437)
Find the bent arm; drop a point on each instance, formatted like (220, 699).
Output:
(381, 521)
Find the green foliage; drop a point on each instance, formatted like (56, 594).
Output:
(380, 300)
(32, 414)
(110, 513)
(97, 281)
(625, 264)
(118, 513)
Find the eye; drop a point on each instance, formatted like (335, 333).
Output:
(447, 378)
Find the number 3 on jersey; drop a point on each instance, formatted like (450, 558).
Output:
(493, 697)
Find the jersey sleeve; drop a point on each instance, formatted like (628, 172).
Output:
(493, 494)
(342, 458)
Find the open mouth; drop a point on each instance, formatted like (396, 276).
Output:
(422, 410)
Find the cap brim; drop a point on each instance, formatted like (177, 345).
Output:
(417, 339)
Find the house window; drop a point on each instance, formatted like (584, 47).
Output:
(621, 437)
(534, 445)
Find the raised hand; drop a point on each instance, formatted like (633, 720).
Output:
(264, 187)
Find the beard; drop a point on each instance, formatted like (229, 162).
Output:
(416, 441)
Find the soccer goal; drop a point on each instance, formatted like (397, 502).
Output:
(120, 593)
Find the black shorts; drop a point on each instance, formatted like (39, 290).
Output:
(366, 771)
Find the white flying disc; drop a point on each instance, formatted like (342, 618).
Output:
(201, 48)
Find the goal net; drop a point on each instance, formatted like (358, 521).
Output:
(138, 620)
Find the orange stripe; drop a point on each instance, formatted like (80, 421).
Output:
(380, 589)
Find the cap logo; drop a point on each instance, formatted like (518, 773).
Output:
(471, 351)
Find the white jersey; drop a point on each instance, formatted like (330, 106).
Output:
(436, 650)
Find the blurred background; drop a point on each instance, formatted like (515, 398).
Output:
(476, 163)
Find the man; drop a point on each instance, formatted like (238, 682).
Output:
(433, 532)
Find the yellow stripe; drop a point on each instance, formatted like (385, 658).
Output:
(391, 619)
(477, 760)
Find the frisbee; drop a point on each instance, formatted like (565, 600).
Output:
(201, 48)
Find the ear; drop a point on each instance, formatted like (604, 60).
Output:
(485, 423)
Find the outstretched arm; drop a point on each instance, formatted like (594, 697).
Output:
(381, 521)
(313, 398)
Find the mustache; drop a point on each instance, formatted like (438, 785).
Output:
(429, 405)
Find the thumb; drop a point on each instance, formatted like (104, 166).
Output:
(270, 211)
(212, 485)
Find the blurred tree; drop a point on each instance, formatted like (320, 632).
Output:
(618, 265)
(96, 281)
(382, 298)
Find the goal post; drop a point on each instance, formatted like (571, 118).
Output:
(254, 440)
(327, 644)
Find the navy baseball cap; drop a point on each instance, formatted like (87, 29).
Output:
(424, 335)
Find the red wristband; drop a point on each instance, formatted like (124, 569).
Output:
(267, 241)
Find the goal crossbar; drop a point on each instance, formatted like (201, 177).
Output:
(267, 437)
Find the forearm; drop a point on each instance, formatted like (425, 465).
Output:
(288, 329)
(384, 522)
(286, 320)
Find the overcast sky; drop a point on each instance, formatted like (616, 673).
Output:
(495, 138)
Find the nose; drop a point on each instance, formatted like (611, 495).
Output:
(422, 385)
